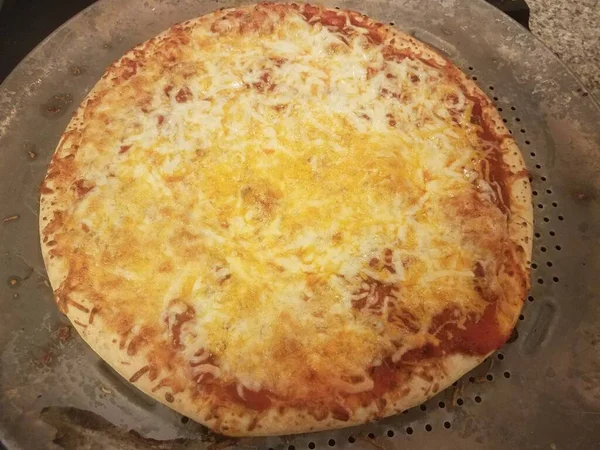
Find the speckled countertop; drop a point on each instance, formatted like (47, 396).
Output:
(571, 28)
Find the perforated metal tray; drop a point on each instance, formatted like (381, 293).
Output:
(541, 391)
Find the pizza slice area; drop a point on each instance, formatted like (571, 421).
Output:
(285, 207)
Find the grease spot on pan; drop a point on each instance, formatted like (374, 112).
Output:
(10, 218)
(56, 106)
(31, 151)
(584, 194)
(14, 281)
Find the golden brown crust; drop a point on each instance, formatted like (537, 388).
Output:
(154, 368)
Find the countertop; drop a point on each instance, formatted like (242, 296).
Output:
(571, 28)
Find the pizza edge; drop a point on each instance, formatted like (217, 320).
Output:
(232, 419)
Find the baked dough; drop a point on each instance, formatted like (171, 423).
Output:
(282, 218)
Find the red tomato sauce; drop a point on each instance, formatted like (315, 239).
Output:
(476, 338)
(254, 400)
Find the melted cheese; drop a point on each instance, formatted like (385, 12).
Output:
(262, 200)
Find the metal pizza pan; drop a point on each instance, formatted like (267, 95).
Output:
(540, 391)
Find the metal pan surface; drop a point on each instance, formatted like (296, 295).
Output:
(541, 391)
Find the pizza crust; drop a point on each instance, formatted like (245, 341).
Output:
(271, 422)
(231, 419)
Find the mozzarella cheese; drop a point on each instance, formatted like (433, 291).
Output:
(277, 185)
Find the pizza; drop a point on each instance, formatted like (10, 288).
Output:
(281, 218)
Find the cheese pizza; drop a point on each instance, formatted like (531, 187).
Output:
(281, 218)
